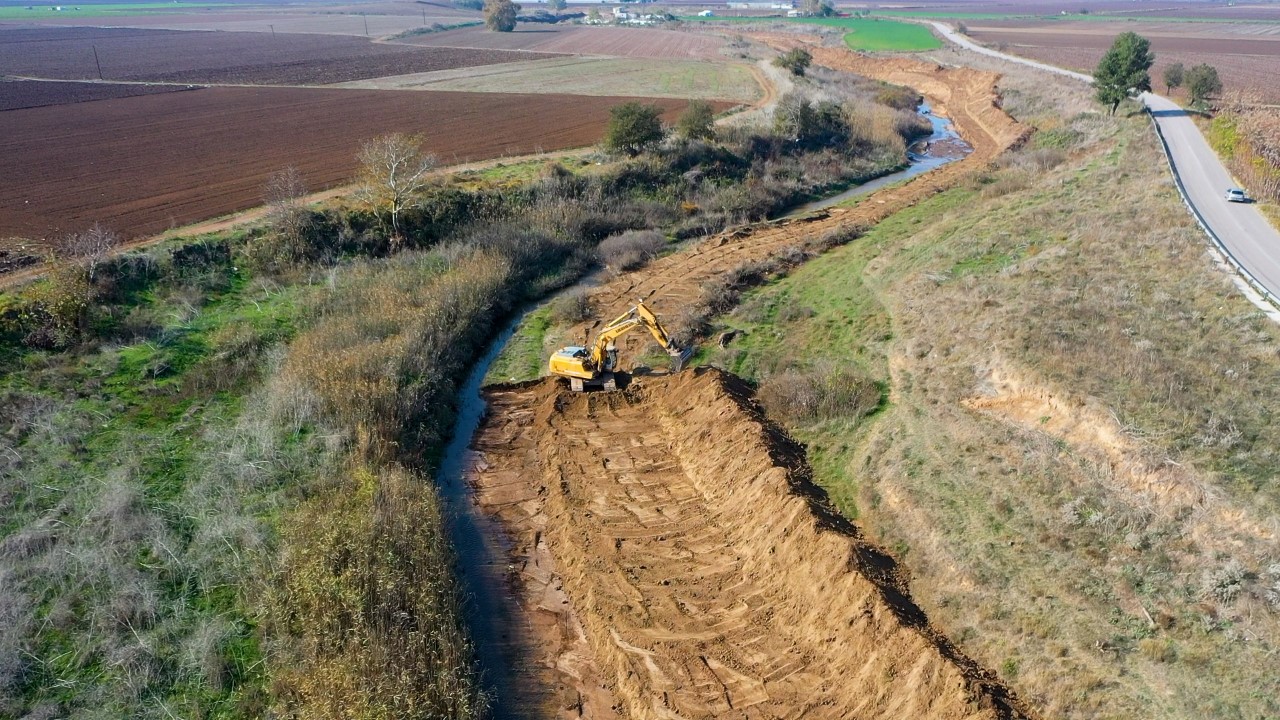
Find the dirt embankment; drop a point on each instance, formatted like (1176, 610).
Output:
(709, 576)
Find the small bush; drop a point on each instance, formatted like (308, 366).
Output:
(898, 97)
(796, 61)
(1225, 582)
(630, 250)
(571, 308)
(814, 395)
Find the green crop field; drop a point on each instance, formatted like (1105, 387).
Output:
(41, 11)
(864, 33)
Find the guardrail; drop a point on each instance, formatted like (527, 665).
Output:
(1217, 241)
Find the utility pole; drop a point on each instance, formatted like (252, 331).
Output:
(366, 24)
(424, 16)
(95, 61)
(273, 30)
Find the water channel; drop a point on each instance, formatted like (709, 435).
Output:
(479, 541)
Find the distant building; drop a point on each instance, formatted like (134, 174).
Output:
(774, 5)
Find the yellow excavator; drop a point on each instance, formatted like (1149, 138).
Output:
(595, 366)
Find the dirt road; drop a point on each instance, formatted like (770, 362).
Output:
(675, 536)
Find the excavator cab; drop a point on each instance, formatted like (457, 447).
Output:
(595, 366)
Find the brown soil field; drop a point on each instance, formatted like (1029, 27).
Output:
(20, 94)
(673, 537)
(583, 40)
(1246, 56)
(710, 576)
(144, 164)
(227, 58)
(318, 23)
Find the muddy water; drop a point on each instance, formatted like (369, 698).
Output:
(943, 145)
(491, 614)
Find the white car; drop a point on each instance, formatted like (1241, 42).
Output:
(1236, 195)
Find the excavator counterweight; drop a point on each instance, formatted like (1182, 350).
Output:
(594, 366)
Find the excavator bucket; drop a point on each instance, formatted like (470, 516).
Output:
(679, 357)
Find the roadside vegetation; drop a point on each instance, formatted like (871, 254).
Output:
(217, 454)
(1248, 138)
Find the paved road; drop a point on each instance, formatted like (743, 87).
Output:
(1250, 240)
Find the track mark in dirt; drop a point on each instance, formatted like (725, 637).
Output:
(710, 576)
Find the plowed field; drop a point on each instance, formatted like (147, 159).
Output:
(144, 164)
(583, 40)
(227, 58)
(675, 535)
(19, 94)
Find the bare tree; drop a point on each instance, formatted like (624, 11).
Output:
(283, 195)
(88, 248)
(393, 172)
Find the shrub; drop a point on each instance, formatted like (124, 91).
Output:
(898, 97)
(1224, 582)
(571, 308)
(796, 61)
(824, 394)
(633, 128)
(630, 250)
(372, 597)
(697, 122)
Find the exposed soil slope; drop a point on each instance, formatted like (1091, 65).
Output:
(710, 576)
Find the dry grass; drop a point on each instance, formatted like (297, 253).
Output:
(368, 592)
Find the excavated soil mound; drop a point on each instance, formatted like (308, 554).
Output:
(705, 575)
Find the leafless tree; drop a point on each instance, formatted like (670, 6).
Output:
(283, 194)
(88, 248)
(393, 172)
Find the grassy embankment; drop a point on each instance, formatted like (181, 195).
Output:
(216, 476)
(1099, 531)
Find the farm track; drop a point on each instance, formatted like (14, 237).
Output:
(692, 568)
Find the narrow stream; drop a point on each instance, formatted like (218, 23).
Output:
(942, 146)
(479, 543)
(479, 540)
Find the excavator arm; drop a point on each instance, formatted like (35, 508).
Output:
(596, 364)
(638, 316)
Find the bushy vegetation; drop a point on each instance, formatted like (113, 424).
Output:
(630, 250)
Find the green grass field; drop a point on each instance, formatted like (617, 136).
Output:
(864, 33)
(43, 11)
